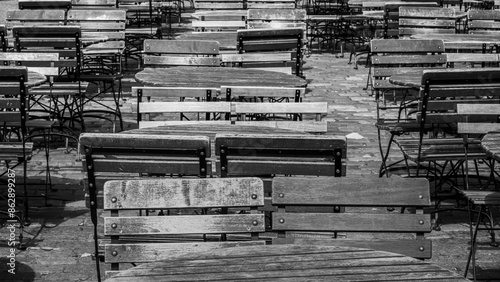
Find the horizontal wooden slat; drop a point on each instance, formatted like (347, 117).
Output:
(207, 224)
(103, 15)
(300, 126)
(282, 108)
(483, 197)
(167, 92)
(156, 123)
(351, 191)
(36, 15)
(255, 167)
(278, 92)
(184, 193)
(421, 249)
(256, 57)
(182, 61)
(396, 45)
(158, 251)
(187, 107)
(409, 59)
(352, 222)
(277, 14)
(181, 47)
(184, 167)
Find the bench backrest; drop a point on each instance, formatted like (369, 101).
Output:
(264, 155)
(484, 21)
(149, 235)
(93, 4)
(360, 196)
(264, 48)
(161, 53)
(418, 20)
(45, 4)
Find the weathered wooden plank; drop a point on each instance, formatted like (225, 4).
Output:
(162, 167)
(409, 46)
(256, 57)
(97, 15)
(421, 249)
(186, 107)
(207, 224)
(259, 91)
(181, 61)
(484, 15)
(255, 167)
(159, 251)
(409, 59)
(184, 193)
(351, 191)
(426, 12)
(174, 92)
(351, 222)
(156, 123)
(300, 126)
(277, 14)
(281, 108)
(36, 15)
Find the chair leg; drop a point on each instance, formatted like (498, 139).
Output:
(473, 232)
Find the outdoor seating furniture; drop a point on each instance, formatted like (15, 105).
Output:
(14, 148)
(164, 53)
(219, 21)
(359, 195)
(276, 18)
(391, 15)
(137, 239)
(390, 57)
(34, 18)
(240, 4)
(262, 93)
(102, 62)
(269, 49)
(484, 21)
(426, 20)
(487, 198)
(67, 90)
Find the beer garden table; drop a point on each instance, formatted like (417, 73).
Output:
(288, 262)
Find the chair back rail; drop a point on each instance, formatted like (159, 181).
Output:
(242, 93)
(146, 238)
(391, 16)
(243, 4)
(93, 4)
(357, 195)
(106, 22)
(276, 18)
(257, 154)
(35, 18)
(158, 52)
(43, 63)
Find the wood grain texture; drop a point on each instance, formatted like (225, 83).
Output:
(215, 77)
(184, 193)
(181, 47)
(288, 263)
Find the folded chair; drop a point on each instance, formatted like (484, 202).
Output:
(14, 150)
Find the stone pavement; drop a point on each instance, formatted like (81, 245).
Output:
(60, 240)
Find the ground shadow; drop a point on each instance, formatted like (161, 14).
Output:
(21, 272)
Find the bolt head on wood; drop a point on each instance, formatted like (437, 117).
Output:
(254, 196)
(113, 200)
(114, 225)
(114, 253)
(282, 220)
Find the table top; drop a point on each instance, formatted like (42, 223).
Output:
(290, 262)
(216, 77)
(227, 40)
(491, 145)
(408, 78)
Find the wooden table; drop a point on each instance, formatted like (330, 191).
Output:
(35, 79)
(227, 40)
(491, 145)
(461, 41)
(288, 262)
(215, 77)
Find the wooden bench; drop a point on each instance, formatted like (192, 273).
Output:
(138, 239)
(108, 156)
(161, 53)
(365, 200)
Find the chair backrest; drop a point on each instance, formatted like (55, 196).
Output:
(256, 93)
(270, 47)
(13, 103)
(107, 155)
(390, 56)
(264, 155)
(45, 4)
(418, 20)
(219, 21)
(161, 53)
(103, 22)
(484, 21)
(44, 63)
(137, 239)
(276, 18)
(361, 196)
(3, 39)
(62, 40)
(487, 113)
(391, 16)
(35, 18)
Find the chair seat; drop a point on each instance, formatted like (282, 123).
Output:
(440, 149)
(482, 197)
